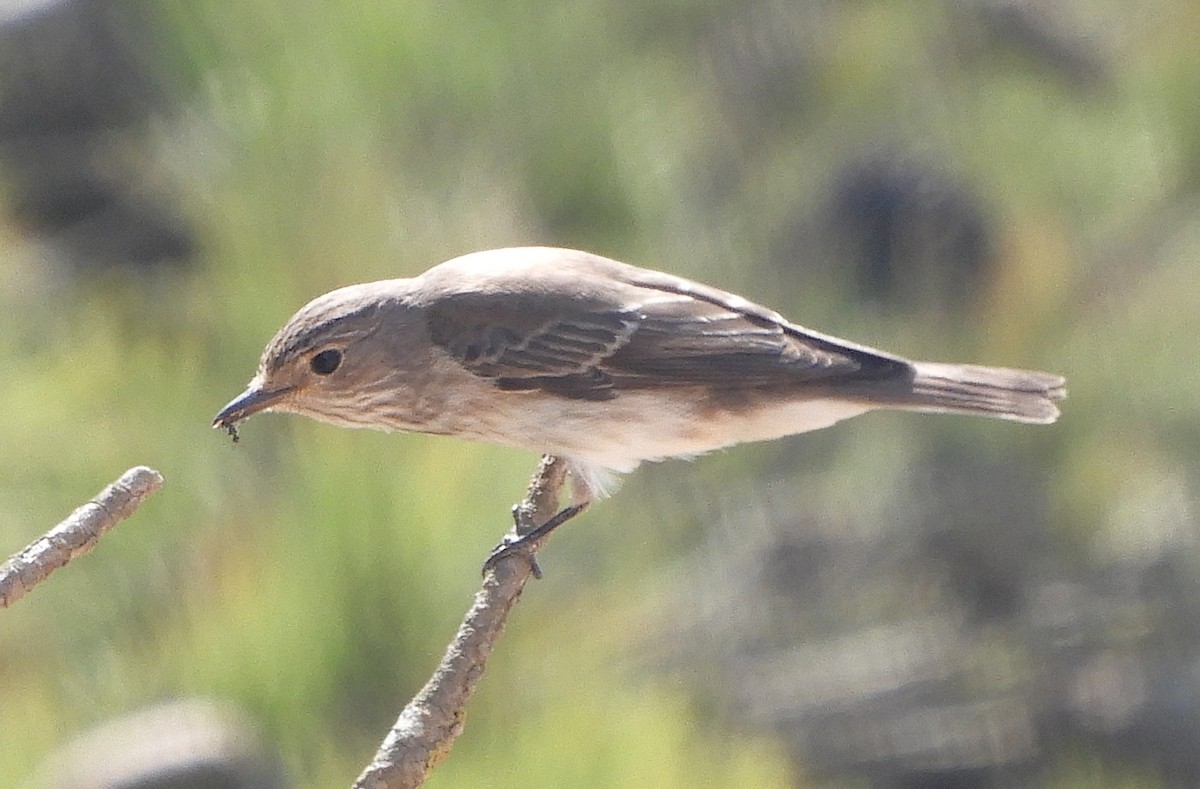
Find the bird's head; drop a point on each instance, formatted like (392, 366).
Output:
(332, 360)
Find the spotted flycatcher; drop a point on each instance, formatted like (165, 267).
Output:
(598, 362)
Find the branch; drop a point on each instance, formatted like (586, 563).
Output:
(427, 728)
(77, 534)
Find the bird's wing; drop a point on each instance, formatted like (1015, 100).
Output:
(526, 342)
(685, 338)
(594, 350)
(653, 331)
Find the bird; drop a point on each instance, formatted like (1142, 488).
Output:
(601, 363)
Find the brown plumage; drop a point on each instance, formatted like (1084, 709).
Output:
(602, 363)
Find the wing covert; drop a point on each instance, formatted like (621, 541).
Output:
(656, 332)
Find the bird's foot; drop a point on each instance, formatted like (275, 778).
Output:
(530, 541)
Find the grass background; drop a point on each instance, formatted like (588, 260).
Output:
(313, 575)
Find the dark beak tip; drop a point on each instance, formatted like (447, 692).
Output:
(245, 405)
(225, 417)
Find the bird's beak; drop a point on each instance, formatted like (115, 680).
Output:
(249, 403)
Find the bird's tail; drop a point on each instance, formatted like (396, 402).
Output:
(1019, 395)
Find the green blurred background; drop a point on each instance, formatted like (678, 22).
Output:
(900, 601)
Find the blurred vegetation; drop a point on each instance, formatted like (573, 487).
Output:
(990, 181)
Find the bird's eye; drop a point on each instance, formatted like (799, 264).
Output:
(326, 361)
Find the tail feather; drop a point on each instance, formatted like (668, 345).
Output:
(1019, 395)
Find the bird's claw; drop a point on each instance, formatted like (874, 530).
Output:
(530, 541)
(514, 543)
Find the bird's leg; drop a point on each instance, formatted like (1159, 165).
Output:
(541, 498)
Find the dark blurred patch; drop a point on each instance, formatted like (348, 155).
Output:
(1047, 36)
(954, 643)
(909, 235)
(78, 83)
(96, 220)
(191, 744)
(72, 67)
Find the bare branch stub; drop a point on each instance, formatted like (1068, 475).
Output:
(428, 726)
(77, 534)
(541, 499)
